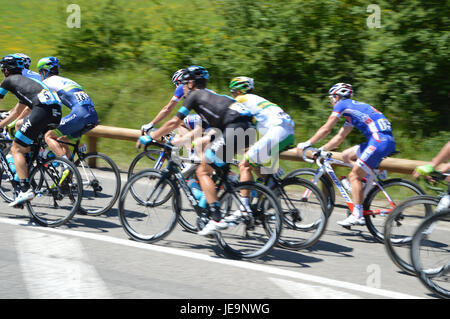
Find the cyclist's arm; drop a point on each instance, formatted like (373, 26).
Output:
(442, 156)
(168, 127)
(15, 112)
(165, 112)
(324, 130)
(338, 138)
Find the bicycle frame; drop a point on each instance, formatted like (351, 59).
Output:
(326, 168)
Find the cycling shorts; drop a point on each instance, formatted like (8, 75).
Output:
(266, 149)
(236, 137)
(74, 124)
(39, 120)
(372, 152)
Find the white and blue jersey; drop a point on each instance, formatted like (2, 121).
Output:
(74, 97)
(31, 74)
(375, 127)
(178, 94)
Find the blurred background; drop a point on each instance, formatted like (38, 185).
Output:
(125, 53)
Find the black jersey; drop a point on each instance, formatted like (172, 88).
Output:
(218, 110)
(29, 91)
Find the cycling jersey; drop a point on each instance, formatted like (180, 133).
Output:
(364, 117)
(266, 113)
(74, 97)
(29, 91)
(178, 94)
(217, 110)
(31, 74)
(192, 120)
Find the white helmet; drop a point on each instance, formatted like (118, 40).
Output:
(176, 78)
(26, 60)
(341, 89)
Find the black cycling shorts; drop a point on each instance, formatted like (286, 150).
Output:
(39, 120)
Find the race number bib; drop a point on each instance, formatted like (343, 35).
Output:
(47, 97)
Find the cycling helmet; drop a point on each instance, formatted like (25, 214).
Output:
(341, 89)
(12, 62)
(192, 120)
(48, 63)
(242, 83)
(196, 73)
(176, 78)
(26, 60)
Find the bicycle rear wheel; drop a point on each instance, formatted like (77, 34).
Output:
(6, 187)
(142, 214)
(400, 226)
(101, 184)
(430, 253)
(304, 213)
(376, 200)
(58, 191)
(255, 235)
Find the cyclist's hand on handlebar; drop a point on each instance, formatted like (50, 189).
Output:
(423, 170)
(146, 127)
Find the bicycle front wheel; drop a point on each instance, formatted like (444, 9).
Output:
(381, 201)
(254, 235)
(400, 226)
(58, 190)
(101, 183)
(144, 160)
(304, 213)
(430, 253)
(147, 219)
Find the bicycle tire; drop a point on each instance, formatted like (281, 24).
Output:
(94, 187)
(6, 187)
(139, 217)
(254, 237)
(68, 188)
(326, 185)
(404, 214)
(430, 280)
(304, 220)
(150, 154)
(371, 201)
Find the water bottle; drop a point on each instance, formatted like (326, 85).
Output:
(10, 160)
(346, 184)
(197, 191)
(443, 203)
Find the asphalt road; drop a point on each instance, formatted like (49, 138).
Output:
(92, 257)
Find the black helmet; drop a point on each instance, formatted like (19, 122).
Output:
(195, 73)
(12, 62)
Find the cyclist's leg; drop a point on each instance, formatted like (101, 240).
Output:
(32, 126)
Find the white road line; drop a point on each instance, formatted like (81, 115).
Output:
(56, 267)
(241, 264)
(306, 291)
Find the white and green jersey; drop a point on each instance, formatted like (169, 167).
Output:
(266, 113)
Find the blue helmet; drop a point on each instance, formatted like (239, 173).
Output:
(12, 62)
(26, 60)
(48, 63)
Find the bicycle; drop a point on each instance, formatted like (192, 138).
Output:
(380, 196)
(55, 181)
(99, 193)
(251, 238)
(430, 253)
(403, 221)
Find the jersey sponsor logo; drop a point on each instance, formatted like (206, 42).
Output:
(368, 152)
(25, 126)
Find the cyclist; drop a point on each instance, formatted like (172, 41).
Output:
(26, 70)
(75, 98)
(275, 128)
(45, 110)
(167, 109)
(366, 156)
(441, 157)
(222, 113)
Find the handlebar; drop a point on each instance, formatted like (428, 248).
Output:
(317, 155)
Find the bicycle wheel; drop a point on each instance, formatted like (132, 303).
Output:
(147, 220)
(256, 234)
(430, 253)
(101, 184)
(188, 216)
(400, 226)
(144, 160)
(58, 190)
(324, 184)
(376, 200)
(6, 187)
(304, 213)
